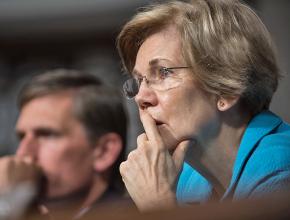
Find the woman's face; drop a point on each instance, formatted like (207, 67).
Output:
(184, 111)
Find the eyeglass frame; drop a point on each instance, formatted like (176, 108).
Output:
(139, 80)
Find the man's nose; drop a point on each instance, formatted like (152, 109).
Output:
(28, 147)
(146, 96)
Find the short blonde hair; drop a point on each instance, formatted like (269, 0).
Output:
(224, 41)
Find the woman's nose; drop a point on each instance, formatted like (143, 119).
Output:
(146, 96)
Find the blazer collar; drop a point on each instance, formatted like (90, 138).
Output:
(260, 125)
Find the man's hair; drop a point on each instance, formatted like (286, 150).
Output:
(99, 108)
(224, 42)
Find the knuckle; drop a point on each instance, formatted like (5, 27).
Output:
(143, 149)
(132, 155)
(6, 159)
(122, 168)
(141, 138)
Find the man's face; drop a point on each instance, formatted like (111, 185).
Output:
(183, 112)
(50, 134)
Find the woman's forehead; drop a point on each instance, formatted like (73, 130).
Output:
(159, 49)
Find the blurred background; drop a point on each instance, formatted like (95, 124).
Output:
(36, 35)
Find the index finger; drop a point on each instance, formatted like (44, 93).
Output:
(151, 129)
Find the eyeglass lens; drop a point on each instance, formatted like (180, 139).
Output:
(131, 88)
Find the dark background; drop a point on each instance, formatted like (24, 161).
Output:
(36, 35)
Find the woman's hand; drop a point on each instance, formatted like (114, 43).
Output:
(150, 172)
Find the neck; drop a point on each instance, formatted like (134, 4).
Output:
(215, 158)
(84, 198)
(99, 187)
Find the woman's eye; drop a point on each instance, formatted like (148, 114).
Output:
(164, 72)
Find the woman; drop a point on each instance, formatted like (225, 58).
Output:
(203, 75)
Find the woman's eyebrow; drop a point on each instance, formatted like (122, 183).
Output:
(156, 61)
(152, 63)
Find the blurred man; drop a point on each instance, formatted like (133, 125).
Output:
(71, 133)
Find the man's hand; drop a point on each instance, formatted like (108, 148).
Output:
(15, 171)
(150, 172)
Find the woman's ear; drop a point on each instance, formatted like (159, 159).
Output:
(224, 104)
(107, 151)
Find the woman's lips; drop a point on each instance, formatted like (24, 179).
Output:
(158, 123)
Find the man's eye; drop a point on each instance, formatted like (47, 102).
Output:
(164, 72)
(48, 133)
(20, 136)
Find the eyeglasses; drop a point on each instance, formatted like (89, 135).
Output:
(160, 79)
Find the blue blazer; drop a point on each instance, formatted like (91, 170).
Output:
(262, 164)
